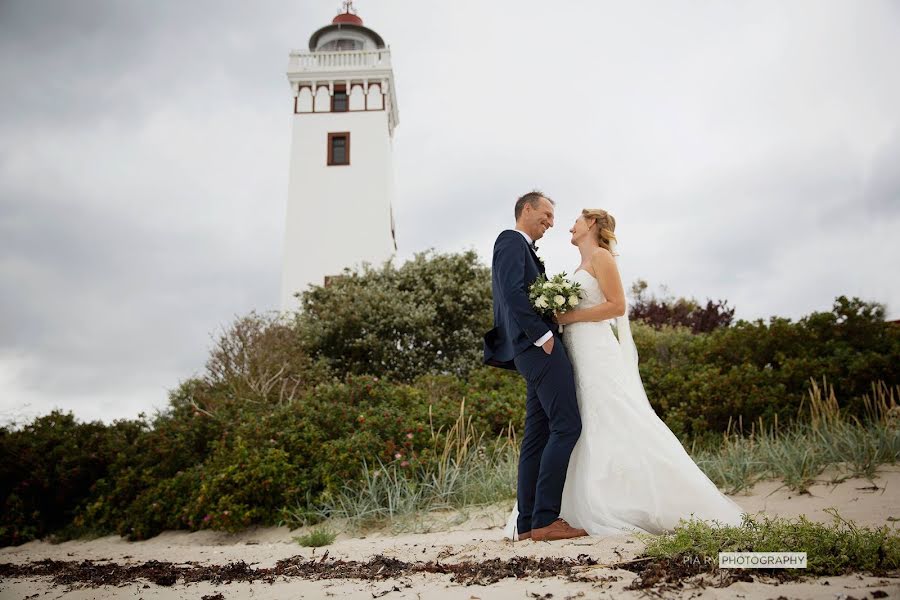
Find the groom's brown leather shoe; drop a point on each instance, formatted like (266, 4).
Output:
(524, 536)
(557, 530)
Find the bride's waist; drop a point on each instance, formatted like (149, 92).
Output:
(605, 325)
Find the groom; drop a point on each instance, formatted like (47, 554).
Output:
(524, 341)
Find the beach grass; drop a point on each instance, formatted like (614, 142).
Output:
(467, 471)
(470, 471)
(797, 454)
(320, 536)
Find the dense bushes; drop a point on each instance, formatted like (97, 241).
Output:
(51, 465)
(427, 316)
(239, 465)
(757, 370)
(287, 410)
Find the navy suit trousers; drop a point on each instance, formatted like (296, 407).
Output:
(552, 426)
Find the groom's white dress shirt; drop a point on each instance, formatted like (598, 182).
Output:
(549, 334)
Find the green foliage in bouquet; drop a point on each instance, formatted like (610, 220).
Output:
(555, 295)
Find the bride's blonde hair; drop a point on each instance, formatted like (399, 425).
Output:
(606, 226)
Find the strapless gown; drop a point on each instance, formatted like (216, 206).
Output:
(628, 472)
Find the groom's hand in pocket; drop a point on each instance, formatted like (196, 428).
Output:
(548, 345)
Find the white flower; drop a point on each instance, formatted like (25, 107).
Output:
(559, 300)
(548, 285)
(573, 300)
(541, 302)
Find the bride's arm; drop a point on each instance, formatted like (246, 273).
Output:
(604, 266)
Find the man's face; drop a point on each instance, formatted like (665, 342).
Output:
(540, 218)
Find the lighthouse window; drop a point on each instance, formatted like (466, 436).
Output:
(339, 148)
(339, 100)
(341, 45)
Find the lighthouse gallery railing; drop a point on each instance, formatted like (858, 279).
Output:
(331, 61)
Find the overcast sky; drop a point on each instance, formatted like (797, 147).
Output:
(750, 151)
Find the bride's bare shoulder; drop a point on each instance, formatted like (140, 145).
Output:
(602, 255)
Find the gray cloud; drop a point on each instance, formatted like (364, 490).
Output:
(749, 151)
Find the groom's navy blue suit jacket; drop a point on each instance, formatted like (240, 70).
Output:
(517, 326)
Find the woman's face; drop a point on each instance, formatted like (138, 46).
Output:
(580, 229)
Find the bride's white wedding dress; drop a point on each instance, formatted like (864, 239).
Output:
(628, 471)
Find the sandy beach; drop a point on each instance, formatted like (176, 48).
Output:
(476, 538)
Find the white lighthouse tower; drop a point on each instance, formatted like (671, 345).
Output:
(341, 173)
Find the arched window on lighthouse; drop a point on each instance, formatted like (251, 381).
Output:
(322, 99)
(357, 98)
(305, 100)
(375, 100)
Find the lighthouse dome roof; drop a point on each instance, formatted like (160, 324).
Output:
(347, 18)
(346, 32)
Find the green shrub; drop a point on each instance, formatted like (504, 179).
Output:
(426, 316)
(753, 373)
(172, 444)
(161, 505)
(50, 467)
(242, 484)
(258, 360)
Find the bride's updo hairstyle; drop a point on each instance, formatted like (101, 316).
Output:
(606, 226)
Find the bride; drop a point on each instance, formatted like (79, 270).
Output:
(628, 471)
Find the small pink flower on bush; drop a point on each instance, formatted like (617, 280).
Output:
(409, 435)
(207, 518)
(398, 456)
(405, 463)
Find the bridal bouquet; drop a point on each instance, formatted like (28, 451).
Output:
(555, 295)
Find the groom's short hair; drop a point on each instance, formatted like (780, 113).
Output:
(532, 198)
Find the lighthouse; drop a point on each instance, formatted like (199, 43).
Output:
(344, 106)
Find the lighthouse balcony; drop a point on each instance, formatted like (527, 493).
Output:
(346, 60)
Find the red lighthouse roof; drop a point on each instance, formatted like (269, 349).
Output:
(348, 16)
